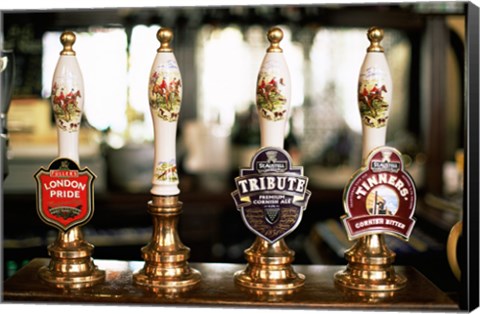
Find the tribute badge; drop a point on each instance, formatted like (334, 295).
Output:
(381, 197)
(272, 194)
(65, 194)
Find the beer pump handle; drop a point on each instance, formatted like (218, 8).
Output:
(67, 98)
(370, 211)
(374, 93)
(273, 92)
(7, 73)
(165, 97)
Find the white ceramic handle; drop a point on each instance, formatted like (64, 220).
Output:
(374, 94)
(165, 97)
(273, 93)
(67, 99)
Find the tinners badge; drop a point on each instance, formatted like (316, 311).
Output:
(381, 197)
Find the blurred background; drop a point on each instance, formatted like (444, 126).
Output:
(219, 51)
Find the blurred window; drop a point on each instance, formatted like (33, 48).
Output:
(228, 60)
(331, 109)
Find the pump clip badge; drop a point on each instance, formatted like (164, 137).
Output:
(64, 194)
(272, 194)
(381, 197)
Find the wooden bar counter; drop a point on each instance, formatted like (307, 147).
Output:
(217, 288)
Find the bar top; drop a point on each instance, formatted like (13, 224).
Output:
(217, 288)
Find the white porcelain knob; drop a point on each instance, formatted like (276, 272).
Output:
(165, 97)
(374, 93)
(273, 94)
(67, 98)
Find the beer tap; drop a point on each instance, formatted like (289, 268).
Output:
(380, 198)
(71, 265)
(166, 257)
(269, 259)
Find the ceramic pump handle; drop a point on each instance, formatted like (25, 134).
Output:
(67, 98)
(273, 92)
(374, 93)
(165, 98)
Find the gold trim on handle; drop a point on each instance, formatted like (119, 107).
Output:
(165, 36)
(375, 35)
(275, 36)
(67, 39)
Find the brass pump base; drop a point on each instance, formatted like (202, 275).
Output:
(269, 267)
(166, 258)
(370, 267)
(71, 265)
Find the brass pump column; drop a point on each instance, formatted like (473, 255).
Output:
(269, 259)
(71, 265)
(166, 257)
(370, 260)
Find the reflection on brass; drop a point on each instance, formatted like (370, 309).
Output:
(166, 268)
(67, 39)
(275, 36)
(166, 293)
(71, 265)
(452, 242)
(269, 295)
(165, 36)
(375, 35)
(269, 267)
(368, 297)
(370, 266)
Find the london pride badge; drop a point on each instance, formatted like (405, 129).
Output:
(272, 194)
(64, 194)
(381, 197)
